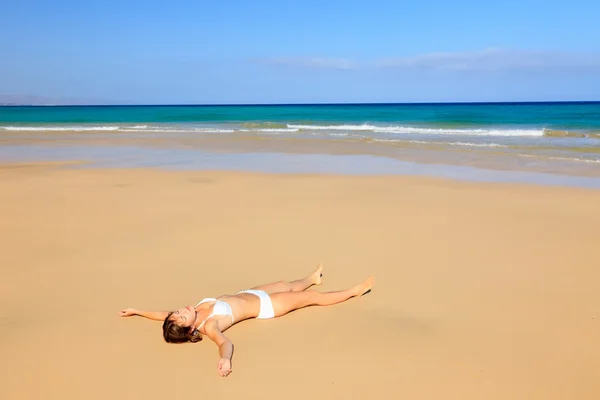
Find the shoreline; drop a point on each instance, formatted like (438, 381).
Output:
(89, 165)
(529, 155)
(174, 157)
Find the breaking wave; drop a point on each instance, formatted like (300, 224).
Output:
(426, 131)
(315, 129)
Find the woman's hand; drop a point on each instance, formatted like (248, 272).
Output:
(153, 315)
(128, 312)
(224, 367)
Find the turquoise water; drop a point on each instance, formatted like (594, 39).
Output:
(561, 138)
(580, 117)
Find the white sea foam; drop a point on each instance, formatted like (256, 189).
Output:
(334, 127)
(158, 129)
(135, 128)
(477, 144)
(211, 130)
(328, 130)
(345, 134)
(270, 130)
(576, 159)
(427, 131)
(464, 144)
(61, 128)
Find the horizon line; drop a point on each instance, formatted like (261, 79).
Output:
(304, 104)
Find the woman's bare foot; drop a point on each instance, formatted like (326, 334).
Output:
(365, 287)
(316, 276)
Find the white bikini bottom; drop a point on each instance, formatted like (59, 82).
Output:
(266, 306)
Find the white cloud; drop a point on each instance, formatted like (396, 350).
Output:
(484, 60)
(494, 59)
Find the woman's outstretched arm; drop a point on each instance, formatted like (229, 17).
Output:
(225, 347)
(153, 315)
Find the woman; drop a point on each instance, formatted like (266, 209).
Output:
(211, 317)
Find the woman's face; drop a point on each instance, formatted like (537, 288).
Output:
(184, 316)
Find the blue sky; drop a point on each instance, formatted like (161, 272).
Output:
(300, 51)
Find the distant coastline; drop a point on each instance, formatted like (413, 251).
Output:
(12, 100)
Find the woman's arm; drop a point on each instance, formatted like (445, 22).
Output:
(153, 315)
(225, 347)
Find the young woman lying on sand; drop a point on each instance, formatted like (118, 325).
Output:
(211, 317)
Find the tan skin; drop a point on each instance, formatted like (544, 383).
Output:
(285, 296)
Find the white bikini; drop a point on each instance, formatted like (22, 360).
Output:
(266, 305)
(222, 308)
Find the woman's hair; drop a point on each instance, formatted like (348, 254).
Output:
(174, 333)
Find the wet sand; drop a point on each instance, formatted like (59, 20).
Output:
(540, 158)
(484, 290)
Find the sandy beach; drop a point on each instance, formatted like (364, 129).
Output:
(484, 290)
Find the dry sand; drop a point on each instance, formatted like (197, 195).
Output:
(484, 291)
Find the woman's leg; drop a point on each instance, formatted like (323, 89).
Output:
(285, 302)
(294, 286)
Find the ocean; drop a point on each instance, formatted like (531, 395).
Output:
(561, 138)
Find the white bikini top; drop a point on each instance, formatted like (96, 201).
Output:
(220, 308)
